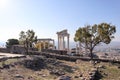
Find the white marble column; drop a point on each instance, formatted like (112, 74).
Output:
(44, 44)
(76, 48)
(40, 48)
(85, 48)
(48, 44)
(68, 42)
(79, 47)
(53, 44)
(58, 42)
(63, 43)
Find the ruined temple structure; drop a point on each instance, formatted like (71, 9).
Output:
(47, 40)
(61, 40)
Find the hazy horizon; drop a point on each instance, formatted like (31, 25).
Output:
(113, 44)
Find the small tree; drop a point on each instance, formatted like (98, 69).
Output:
(11, 42)
(22, 37)
(27, 38)
(91, 36)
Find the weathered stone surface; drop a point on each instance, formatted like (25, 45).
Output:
(105, 74)
(30, 77)
(12, 65)
(91, 78)
(20, 49)
(64, 78)
(62, 52)
(91, 61)
(81, 75)
(57, 72)
(102, 66)
(94, 69)
(90, 73)
(44, 75)
(1, 67)
(4, 50)
(38, 73)
(6, 66)
(76, 76)
(78, 61)
(82, 78)
(35, 64)
(19, 76)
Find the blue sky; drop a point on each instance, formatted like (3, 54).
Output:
(46, 17)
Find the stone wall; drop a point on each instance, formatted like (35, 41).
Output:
(69, 58)
(4, 50)
(61, 52)
(20, 49)
(58, 54)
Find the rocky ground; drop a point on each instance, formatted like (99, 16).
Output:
(42, 68)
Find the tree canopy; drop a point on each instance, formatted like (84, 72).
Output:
(90, 36)
(27, 38)
(11, 42)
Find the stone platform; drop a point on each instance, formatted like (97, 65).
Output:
(9, 55)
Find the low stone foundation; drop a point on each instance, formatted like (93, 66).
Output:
(4, 50)
(61, 52)
(58, 54)
(69, 58)
(20, 49)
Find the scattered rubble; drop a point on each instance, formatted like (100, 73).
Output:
(64, 78)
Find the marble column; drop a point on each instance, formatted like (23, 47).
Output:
(53, 44)
(63, 43)
(44, 44)
(58, 42)
(68, 42)
(85, 48)
(76, 48)
(40, 47)
(48, 44)
(79, 47)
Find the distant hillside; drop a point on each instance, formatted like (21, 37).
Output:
(115, 44)
(112, 44)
